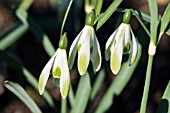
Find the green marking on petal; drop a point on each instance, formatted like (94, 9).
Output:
(78, 48)
(91, 49)
(57, 72)
(114, 43)
(82, 64)
(126, 48)
(41, 84)
(65, 89)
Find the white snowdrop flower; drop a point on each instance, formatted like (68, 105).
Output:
(58, 65)
(88, 48)
(122, 41)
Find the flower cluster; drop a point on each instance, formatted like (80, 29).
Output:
(122, 41)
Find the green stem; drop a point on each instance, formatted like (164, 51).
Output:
(65, 17)
(26, 4)
(147, 84)
(63, 105)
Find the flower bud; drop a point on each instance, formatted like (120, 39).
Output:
(127, 17)
(63, 41)
(90, 18)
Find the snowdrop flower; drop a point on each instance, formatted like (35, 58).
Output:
(58, 65)
(122, 41)
(88, 48)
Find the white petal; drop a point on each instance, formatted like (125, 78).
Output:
(127, 40)
(119, 35)
(44, 75)
(134, 48)
(73, 50)
(108, 45)
(96, 54)
(65, 76)
(56, 71)
(116, 56)
(84, 52)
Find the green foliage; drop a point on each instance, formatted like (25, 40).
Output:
(82, 95)
(21, 94)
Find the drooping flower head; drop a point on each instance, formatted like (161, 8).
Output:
(88, 48)
(122, 41)
(58, 67)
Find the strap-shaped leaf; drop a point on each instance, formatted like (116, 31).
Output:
(164, 106)
(168, 32)
(21, 94)
(105, 16)
(154, 19)
(97, 84)
(82, 94)
(118, 84)
(165, 20)
(14, 63)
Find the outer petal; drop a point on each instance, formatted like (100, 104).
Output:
(134, 48)
(109, 44)
(116, 56)
(65, 76)
(44, 75)
(73, 50)
(84, 52)
(56, 71)
(127, 39)
(96, 54)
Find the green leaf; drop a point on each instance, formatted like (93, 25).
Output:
(13, 62)
(21, 94)
(168, 32)
(16, 33)
(82, 94)
(118, 84)
(71, 96)
(98, 6)
(164, 106)
(25, 4)
(41, 37)
(154, 20)
(12, 37)
(98, 83)
(105, 16)
(165, 20)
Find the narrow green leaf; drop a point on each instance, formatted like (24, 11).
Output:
(82, 94)
(105, 16)
(165, 20)
(168, 32)
(118, 84)
(41, 37)
(21, 94)
(17, 33)
(71, 96)
(25, 4)
(12, 37)
(154, 19)
(98, 6)
(15, 64)
(98, 83)
(164, 106)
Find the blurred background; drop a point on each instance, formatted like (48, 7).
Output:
(48, 15)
